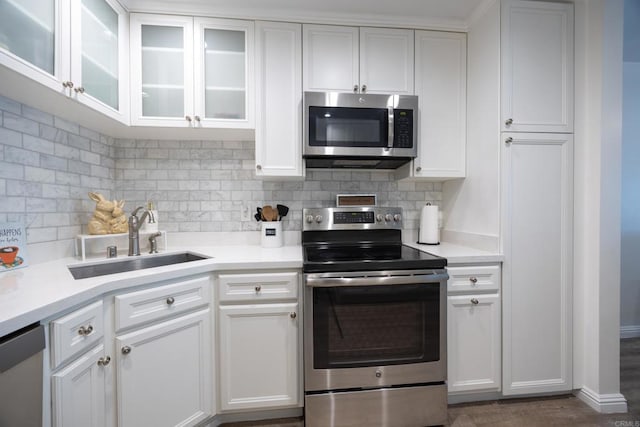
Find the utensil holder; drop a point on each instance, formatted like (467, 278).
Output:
(271, 234)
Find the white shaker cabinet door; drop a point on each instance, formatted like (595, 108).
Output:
(473, 343)
(165, 373)
(386, 61)
(537, 66)
(259, 356)
(537, 271)
(79, 391)
(330, 58)
(279, 100)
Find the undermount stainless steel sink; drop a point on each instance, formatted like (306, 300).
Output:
(131, 264)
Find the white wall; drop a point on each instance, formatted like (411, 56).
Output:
(471, 207)
(630, 220)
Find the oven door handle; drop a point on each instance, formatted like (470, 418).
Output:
(330, 282)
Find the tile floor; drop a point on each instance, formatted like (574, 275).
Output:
(552, 411)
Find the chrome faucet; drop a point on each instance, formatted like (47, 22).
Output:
(134, 227)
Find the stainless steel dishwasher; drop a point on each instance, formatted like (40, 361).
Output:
(21, 377)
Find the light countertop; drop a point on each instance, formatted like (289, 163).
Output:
(40, 291)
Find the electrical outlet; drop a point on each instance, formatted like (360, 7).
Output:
(244, 213)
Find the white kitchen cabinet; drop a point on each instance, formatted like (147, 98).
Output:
(441, 81)
(537, 66)
(164, 372)
(279, 100)
(79, 393)
(76, 48)
(259, 356)
(537, 207)
(473, 343)
(191, 73)
(350, 59)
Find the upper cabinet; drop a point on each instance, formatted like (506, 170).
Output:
(361, 60)
(441, 82)
(77, 48)
(188, 72)
(537, 66)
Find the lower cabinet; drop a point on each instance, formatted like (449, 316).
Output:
(164, 373)
(79, 391)
(474, 329)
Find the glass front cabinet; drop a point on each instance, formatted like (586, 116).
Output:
(77, 48)
(191, 72)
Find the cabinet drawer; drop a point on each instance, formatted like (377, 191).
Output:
(258, 287)
(480, 278)
(156, 303)
(76, 332)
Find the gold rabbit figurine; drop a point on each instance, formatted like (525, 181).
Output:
(108, 217)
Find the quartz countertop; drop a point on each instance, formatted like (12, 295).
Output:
(40, 291)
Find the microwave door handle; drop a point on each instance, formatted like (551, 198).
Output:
(390, 136)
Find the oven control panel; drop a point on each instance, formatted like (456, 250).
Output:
(352, 218)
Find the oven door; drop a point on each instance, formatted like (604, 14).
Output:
(374, 329)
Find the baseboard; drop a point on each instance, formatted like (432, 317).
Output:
(613, 403)
(632, 331)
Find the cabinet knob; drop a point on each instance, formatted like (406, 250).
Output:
(79, 89)
(378, 373)
(197, 118)
(84, 331)
(293, 315)
(418, 169)
(104, 361)
(67, 84)
(473, 280)
(509, 140)
(474, 301)
(259, 167)
(258, 288)
(188, 118)
(170, 300)
(126, 349)
(508, 122)
(364, 88)
(355, 88)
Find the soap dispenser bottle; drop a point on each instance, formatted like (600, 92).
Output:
(151, 223)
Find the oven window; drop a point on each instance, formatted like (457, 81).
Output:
(348, 127)
(375, 325)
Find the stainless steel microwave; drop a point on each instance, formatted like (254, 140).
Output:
(363, 131)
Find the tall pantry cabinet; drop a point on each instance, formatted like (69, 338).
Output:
(537, 195)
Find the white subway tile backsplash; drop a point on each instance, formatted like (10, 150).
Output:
(10, 137)
(38, 144)
(20, 124)
(11, 170)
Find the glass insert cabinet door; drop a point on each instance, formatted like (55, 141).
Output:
(28, 31)
(223, 71)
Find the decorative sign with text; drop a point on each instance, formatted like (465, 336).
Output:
(13, 246)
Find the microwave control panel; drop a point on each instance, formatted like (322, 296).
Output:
(402, 128)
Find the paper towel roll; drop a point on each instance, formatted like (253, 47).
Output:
(429, 231)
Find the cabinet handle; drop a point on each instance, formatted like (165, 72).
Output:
(170, 300)
(85, 331)
(126, 349)
(259, 167)
(79, 89)
(418, 169)
(474, 301)
(188, 118)
(355, 88)
(473, 280)
(104, 361)
(197, 118)
(509, 140)
(67, 84)
(508, 122)
(258, 288)
(364, 88)
(293, 315)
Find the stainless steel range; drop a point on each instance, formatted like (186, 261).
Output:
(375, 322)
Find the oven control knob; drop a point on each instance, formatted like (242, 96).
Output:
(318, 219)
(379, 217)
(397, 217)
(309, 219)
(388, 217)
(378, 373)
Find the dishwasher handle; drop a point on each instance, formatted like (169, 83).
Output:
(21, 345)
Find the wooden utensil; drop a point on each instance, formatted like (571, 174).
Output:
(269, 214)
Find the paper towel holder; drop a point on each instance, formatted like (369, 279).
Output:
(429, 244)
